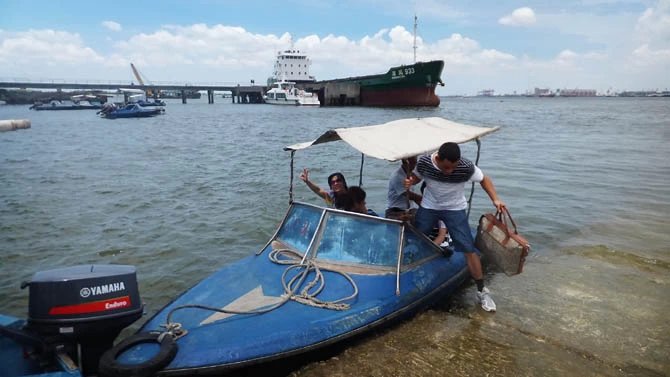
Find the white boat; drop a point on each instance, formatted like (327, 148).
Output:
(285, 93)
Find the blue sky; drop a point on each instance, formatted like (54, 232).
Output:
(504, 45)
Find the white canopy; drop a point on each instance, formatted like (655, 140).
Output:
(401, 138)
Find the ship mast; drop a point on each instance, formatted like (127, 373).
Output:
(415, 38)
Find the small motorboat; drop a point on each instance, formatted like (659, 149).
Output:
(132, 110)
(66, 105)
(325, 276)
(285, 93)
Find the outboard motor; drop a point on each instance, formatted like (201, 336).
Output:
(82, 309)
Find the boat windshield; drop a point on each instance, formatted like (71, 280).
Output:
(359, 240)
(349, 238)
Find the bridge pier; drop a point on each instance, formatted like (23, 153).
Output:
(183, 97)
(210, 97)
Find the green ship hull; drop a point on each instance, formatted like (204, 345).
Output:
(405, 85)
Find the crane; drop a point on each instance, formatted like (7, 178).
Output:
(139, 79)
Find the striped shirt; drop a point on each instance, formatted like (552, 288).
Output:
(446, 191)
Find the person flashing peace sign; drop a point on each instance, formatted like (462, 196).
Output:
(336, 183)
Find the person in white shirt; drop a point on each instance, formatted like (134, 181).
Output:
(445, 174)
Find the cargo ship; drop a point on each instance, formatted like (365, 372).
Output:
(405, 85)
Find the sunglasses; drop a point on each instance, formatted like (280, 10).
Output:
(334, 181)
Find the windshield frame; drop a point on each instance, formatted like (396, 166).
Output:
(311, 251)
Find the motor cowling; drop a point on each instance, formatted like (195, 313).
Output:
(86, 306)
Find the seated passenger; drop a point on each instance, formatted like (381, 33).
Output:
(354, 201)
(398, 205)
(337, 184)
(439, 234)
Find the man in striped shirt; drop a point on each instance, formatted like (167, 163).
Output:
(445, 174)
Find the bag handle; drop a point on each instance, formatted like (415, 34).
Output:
(503, 215)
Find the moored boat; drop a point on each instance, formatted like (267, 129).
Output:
(132, 110)
(285, 93)
(66, 105)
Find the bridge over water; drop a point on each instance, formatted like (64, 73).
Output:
(244, 93)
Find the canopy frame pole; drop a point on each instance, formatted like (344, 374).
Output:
(472, 189)
(408, 174)
(398, 265)
(290, 187)
(360, 173)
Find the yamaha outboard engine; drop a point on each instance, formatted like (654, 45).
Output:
(82, 309)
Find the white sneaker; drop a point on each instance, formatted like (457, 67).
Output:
(486, 300)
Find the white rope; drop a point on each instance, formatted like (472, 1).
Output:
(307, 296)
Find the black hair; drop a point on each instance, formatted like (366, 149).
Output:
(341, 177)
(357, 194)
(449, 151)
(353, 196)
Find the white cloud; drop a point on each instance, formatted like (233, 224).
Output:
(520, 17)
(39, 47)
(212, 54)
(111, 25)
(644, 56)
(653, 26)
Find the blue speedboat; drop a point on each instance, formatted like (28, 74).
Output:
(132, 110)
(325, 276)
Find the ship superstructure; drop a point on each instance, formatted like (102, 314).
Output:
(292, 65)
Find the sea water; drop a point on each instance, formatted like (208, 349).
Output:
(181, 194)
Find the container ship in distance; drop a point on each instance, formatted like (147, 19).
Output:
(405, 85)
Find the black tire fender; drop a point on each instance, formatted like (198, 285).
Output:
(110, 367)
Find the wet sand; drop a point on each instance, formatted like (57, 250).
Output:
(581, 312)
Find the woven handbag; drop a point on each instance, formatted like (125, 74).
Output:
(501, 244)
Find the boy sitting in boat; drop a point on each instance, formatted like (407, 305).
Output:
(354, 201)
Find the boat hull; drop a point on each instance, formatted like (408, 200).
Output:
(144, 114)
(214, 346)
(397, 97)
(138, 112)
(291, 102)
(406, 85)
(73, 106)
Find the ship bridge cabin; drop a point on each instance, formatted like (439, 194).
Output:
(292, 65)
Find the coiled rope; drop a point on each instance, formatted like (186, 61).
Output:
(308, 295)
